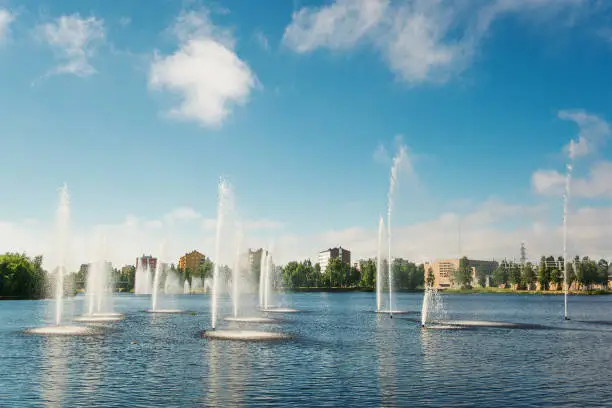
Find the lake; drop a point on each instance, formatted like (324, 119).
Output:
(342, 355)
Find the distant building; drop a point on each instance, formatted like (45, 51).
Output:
(334, 253)
(191, 261)
(146, 260)
(443, 270)
(255, 257)
(84, 269)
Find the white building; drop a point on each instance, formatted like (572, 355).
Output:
(324, 256)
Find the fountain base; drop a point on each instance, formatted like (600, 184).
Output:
(61, 331)
(279, 310)
(100, 318)
(244, 335)
(251, 319)
(167, 311)
(393, 311)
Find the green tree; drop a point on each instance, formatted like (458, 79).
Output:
(543, 274)
(514, 274)
(481, 276)
(463, 274)
(431, 279)
(528, 275)
(500, 274)
(21, 277)
(602, 272)
(368, 274)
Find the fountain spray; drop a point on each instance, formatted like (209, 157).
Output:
(397, 162)
(566, 197)
(223, 195)
(157, 277)
(236, 271)
(63, 224)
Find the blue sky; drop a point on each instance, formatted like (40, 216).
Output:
(140, 107)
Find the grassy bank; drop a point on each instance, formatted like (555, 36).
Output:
(524, 292)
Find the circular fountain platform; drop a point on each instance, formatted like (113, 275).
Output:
(100, 318)
(473, 324)
(244, 335)
(393, 311)
(61, 331)
(167, 311)
(279, 310)
(253, 319)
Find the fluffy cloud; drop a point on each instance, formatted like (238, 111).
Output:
(483, 235)
(421, 40)
(594, 133)
(75, 40)
(178, 231)
(595, 185)
(6, 18)
(205, 71)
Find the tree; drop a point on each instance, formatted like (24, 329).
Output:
(543, 274)
(431, 279)
(481, 275)
(528, 275)
(368, 274)
(463, 275)
(602, 272)
(514, 274)
(21, 277)
(500, 274)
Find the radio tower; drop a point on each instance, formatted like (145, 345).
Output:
(523, 254)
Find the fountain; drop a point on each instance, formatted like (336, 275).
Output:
(142, 280)
(224, 208)
(398, 160)
(186, 287)
(566, 197)
(172, 284)
(267, 268)
(432, 305)
(99, 294)
(63, 225)
(159, 271)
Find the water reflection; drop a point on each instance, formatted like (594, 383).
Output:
(387, 350)
(53, 371)
(227, 374)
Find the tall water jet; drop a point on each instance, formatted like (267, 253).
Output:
(379, 264)
(566, 197)
(63, 225)
(262, 278)
(155, 288)
(186, 287)
(397, 162)
(224, 193)
(236, 273)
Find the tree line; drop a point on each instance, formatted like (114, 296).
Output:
(22, 277)
(406, 275)
(585, 273)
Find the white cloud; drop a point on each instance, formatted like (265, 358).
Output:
(6, 18)
(182, 214)
(262, 40)
(483, 235)
(75, 40)
(205, 71)
(421, 40)
(594, 132)
(336, 26)
(596, 185)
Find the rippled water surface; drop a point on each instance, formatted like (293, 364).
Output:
(342, 355)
